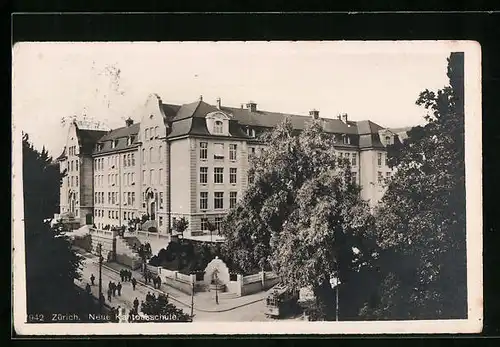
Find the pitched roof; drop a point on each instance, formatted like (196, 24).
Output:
(121, 132)
(268, 119)
(88, 138)
(368, 127)
(120, 135)
(170, 110)
(195, 109)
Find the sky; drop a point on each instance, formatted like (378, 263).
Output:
(366, 80)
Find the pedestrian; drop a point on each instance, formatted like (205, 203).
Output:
(119, 289)
(92, 279)
(158, 280)
(129, 275)
(110, 291)
(122, 274)
(102, 299)
(110, 285)
(134, 282)
(148, 297)
(136, 304)
(87, 289)
(114, 289)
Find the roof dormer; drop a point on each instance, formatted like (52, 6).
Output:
(218, 123)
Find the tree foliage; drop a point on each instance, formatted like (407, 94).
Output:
(180, 225)
(51, 264)
(421, 220)
(161, 306)
(302, 214)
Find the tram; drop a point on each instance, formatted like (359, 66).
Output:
(281, 301)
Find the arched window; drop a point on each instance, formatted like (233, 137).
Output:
(218, 128)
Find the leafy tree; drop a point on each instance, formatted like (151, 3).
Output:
(161, 306)
(302, 214)
(51, 264)
(421, 221)
(180, 225)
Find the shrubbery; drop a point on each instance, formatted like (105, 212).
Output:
(186, 256)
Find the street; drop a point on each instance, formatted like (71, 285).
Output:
(251, 312)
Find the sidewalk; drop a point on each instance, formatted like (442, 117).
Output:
(203, 301)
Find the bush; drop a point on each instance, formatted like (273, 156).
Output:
(186, 256)
(152, 230)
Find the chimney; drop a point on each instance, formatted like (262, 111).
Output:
(314, 113)
(129, 121)
(218, 103)
(201, 97)
(344, 118)
(252, 106)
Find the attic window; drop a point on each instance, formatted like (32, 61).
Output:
(387, 140)
(99, 146)
(114, 143)
(218, 128)
(130, 140)
(250, 132)
(346, 140)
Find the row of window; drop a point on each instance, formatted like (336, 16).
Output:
(154, 156)
(151, 133)
(218, 175)
(129, 160)
(380, 176)
(73, 165)
(218, 150)
(217, 223)
(379, 159)
(352, 157)
(72, 150)
(218, 200)
(153, 177)
(73, 181)
(128, 198)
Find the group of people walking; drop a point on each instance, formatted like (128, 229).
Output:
(150, 278)
(113, 289)
(126, 276)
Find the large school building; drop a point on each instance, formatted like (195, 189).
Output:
(191, 161)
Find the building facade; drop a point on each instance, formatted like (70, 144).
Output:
(192, 161)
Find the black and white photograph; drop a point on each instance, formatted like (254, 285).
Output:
(309, 187)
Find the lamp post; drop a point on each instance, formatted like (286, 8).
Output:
(216, 288)
(192, 302)
(99, 250)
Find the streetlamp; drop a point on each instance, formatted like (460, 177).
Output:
(192, 302)
(216, 288)
(99, 250)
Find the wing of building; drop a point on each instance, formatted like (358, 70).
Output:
(191, 161)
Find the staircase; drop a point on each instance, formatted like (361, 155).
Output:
(123, 247)
(131, 241)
